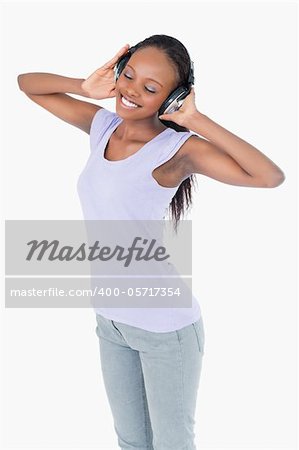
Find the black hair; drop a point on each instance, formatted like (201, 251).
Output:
(180, 59)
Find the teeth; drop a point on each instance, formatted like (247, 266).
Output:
(127, 103)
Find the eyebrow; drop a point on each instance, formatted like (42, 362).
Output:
(147, 78)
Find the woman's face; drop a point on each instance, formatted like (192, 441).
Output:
(146, 80)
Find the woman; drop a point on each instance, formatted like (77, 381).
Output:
(140, 162)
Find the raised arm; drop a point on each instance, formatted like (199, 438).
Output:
(51, 92)
(222, 155)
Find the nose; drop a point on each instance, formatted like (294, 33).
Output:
(131, 91)
(132, 94)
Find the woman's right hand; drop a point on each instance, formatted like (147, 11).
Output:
(100, 84)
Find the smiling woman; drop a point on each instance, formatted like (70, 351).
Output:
(143, 160)
(157, 75)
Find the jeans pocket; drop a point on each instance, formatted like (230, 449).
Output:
(200, 334)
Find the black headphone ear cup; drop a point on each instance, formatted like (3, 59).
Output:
(120, 65)
(174, 101)
(176, 98)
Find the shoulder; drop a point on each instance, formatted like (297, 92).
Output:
(188, 143)
(191, 149)
(192, 142)
(102, 119)
(194, 145)
(101, 112)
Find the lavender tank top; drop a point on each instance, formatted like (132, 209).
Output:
(126, 190)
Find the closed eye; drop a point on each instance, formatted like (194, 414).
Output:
(152, 92)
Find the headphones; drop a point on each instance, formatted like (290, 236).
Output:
(175, 99)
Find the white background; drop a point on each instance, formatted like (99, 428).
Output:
(244, 239)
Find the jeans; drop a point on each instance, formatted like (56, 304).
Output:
(151, 380)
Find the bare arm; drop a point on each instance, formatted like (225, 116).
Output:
(228, 158)
(50, 83)
(222, 155)
(49, 91)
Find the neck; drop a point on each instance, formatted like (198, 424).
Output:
(139, 129)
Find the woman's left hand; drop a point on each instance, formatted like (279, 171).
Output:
(182, 115)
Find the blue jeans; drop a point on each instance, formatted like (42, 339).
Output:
(151, 380)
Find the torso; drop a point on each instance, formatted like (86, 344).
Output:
(169, 174)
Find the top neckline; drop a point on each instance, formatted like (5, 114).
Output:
(134, 155)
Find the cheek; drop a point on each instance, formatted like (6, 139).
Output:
(155, 100)
(120, 83)
(151, 100)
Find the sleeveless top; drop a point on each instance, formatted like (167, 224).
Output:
(126, 190)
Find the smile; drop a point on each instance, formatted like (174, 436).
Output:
(127, 103)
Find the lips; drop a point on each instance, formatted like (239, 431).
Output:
(130, 100)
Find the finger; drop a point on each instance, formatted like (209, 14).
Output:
(114, 60)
